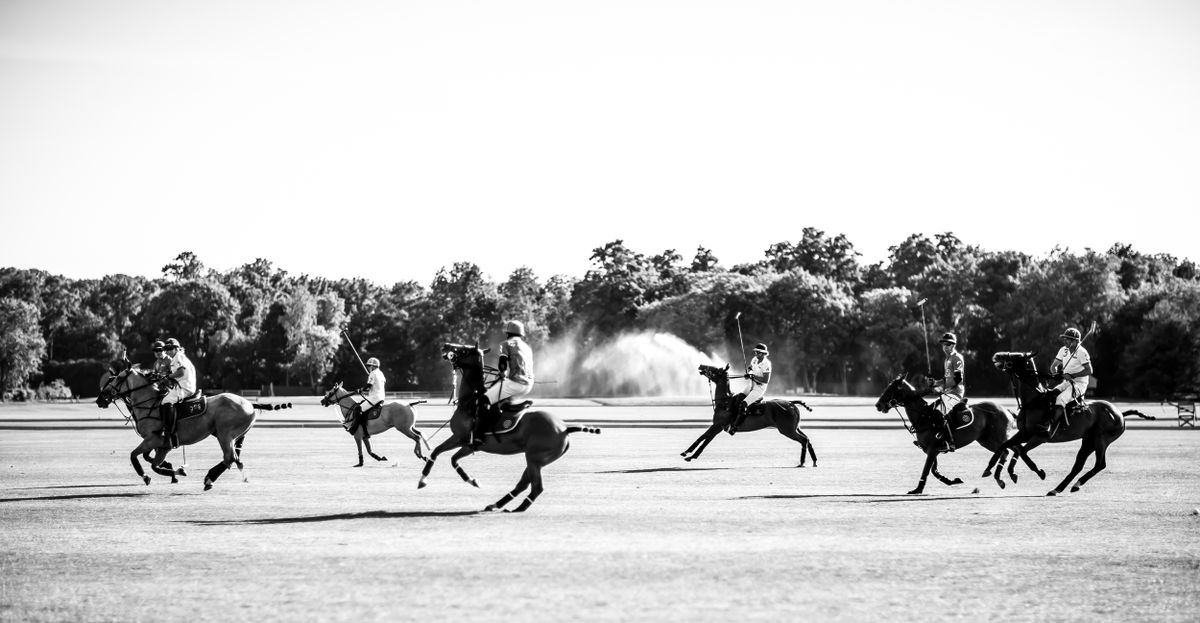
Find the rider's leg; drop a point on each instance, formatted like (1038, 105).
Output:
(360, 418)
(1056, 398)
(168, 415)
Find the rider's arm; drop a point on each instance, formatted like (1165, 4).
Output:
(1086, 371)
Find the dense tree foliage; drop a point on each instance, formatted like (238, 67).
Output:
(833, 324)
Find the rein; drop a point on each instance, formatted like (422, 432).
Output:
(154, 401)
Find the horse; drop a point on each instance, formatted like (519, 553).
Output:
(540, 435)
(1097, 426)
(228, 417)
(395, 415)
(781, 414)
(984, 423)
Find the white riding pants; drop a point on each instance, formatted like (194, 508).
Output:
(507, 389)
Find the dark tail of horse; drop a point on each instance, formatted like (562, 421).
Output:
(267, 407)
(583, 429)
(1138, 413)
(417, 402)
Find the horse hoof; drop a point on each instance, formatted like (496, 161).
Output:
(1052, 493)
(473, 483)
(490, 508)
(683, 454)
(1001, 483)
(916, 492)
(421, 484)
(689, 459)
(986, 473)
(359, 465)
(801, 465)
(174, 480)
(1075, 489)
(1041, 474)
(207, 484)
(381, 458)
(146, 479)
(180, 472)
(956, 481)
(1014, 478)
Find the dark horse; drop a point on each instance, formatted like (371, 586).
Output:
(1098, 425)
(983, 422)
(783, 415)
(540, 435)
(227, 417)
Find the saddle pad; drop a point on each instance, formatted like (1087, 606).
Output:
(191, 408)
(509, 419)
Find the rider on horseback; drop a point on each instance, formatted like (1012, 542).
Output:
(162, 363)
(950, 388)
(516, 378)
(181, 383)
(373, 394)
(1074, 365)
(759, 374)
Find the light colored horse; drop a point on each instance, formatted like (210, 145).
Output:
(228, 417)
(397, 415)
(540, 435)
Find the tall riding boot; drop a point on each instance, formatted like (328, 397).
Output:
(948, 434)
(360, 419)
(168, 416)
(739, 414)
(483, 412)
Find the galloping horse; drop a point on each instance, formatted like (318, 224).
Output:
(1098, 425)
(227, 417)
(395, 415)
(781, 414)
(983, 422)
(539, 434)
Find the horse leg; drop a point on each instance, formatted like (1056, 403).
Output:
(143, 449)
(227, 459)
(707, 438)
(535, 487)
(1017, 438)
(237, 457)
(367, 442)
(1085, 450)
(693, 446)
(462, 473)
(522, 484)
(161, 466)
(449, 444)
(946, 481)
(412, 433)
(1024, 453)
(358, 446)
(930, 459)
(805, 443)
(1101, 463)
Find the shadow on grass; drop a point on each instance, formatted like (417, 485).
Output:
(80, 496)
(880, 498)
(126, 484)
(651, 470)
(337, 517)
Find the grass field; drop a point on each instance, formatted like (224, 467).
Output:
(625, 531)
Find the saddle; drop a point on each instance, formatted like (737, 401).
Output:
(959, 413)
(371, 414)
(510, 415)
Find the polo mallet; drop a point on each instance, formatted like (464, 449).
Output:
(738, 318)
(925, 333)
(355, 351)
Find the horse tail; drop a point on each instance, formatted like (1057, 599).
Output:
(583, 429)
(417, 402)
(801, 403)
(269, 407)
(1137, 413)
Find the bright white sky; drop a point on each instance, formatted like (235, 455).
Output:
(389, 139)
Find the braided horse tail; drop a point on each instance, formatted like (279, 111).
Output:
(583, 429)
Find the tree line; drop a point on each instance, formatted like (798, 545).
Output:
(833, 323)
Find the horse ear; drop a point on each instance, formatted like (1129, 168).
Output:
(726, 366)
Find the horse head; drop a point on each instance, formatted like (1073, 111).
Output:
(1018, 364)
(461, 355)
(331, 396)
(898, 392)
(119, 384)
(715, 374)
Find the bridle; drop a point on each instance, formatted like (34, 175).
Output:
(111, 392)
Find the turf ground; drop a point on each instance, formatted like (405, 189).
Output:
(626, 530)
